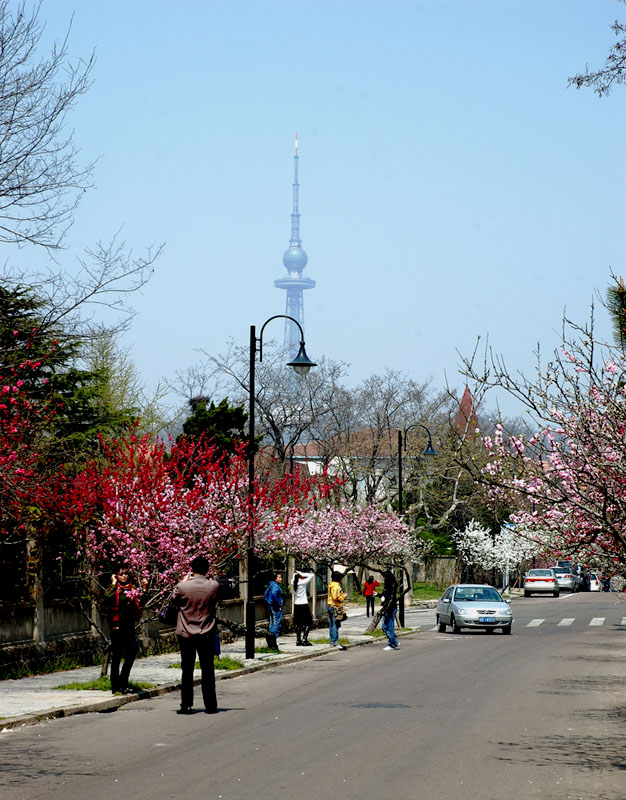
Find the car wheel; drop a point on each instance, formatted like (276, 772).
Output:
(507, 629)
(441, 626)
(453, 625)
(526, 594)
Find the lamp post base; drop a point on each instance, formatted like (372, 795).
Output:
(250, 625)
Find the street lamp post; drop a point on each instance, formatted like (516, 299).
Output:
(430, 451)
(301, 364)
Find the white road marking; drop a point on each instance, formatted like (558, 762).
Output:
(534, 623)
(623, 622)
(567, 621)
(597, 621)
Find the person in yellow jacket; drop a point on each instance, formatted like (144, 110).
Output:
(336, 596)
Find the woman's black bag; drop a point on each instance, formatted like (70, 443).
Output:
(168, 615)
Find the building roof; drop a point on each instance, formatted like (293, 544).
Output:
(466, 420)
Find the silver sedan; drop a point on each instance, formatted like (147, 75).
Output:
(567, 579)
(469, 605)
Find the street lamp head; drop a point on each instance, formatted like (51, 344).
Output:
(430, 450)
(302, 363)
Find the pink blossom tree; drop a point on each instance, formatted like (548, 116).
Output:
(568, 477)
(346, 533)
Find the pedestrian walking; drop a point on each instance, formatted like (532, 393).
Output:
(336, 596)
(369, 591)
(196, 598)
(274, 598)
(302, 619)
(389, 602)
(123, 601)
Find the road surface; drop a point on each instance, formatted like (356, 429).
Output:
(539, 714)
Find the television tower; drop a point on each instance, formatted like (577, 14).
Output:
(295, 260)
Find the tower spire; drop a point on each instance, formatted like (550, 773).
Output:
(294, 260)
(295, 213)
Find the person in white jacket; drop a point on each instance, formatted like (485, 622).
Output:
(302, 619)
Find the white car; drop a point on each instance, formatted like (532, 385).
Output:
(595, 584)
(543, 581)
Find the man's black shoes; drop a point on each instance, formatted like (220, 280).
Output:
(185, 710)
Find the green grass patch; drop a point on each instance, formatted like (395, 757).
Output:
(427, 591)
(377, 632)
(326, 640)
(219, 662)
(47, 666)
(266, 650)
(102, 684)
(226, 662)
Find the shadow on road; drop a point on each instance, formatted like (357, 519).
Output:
(586, 753)
(25, 765)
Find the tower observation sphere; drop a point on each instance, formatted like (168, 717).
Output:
(295, 259)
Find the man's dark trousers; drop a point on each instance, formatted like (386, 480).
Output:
(204, 645)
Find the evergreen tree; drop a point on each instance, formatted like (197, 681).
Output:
(75, 398)
(616, 305)
(222, 425)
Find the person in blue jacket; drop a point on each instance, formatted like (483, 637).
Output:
(274, 599)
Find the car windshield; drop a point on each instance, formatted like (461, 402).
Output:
(477, 594)
(540, 573)
(561, 571)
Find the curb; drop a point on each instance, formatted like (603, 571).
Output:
(112, 704)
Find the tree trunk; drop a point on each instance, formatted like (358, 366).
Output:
(34, 577)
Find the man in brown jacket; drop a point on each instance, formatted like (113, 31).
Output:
(196, 598)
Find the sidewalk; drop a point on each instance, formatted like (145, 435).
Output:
(30, 700)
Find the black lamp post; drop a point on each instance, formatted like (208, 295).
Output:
(301, 364)
(430, 451)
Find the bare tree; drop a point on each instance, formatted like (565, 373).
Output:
(40, 179)
(123, 387)
(614, 70)
(289, 408)
(359, 432)
(106, 277)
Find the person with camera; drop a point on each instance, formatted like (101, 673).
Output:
(336, 596)
(196, 597)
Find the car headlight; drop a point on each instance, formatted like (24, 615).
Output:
(506, 613)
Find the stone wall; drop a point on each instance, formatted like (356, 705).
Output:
(442, 571)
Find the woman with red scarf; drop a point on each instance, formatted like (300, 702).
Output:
(124, 613)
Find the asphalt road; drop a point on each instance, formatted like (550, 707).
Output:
(538, 714)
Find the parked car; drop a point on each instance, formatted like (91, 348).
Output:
(595, 584)
(567, 579)
(469, 605)
(541, 581)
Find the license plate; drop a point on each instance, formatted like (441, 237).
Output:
(486, 619)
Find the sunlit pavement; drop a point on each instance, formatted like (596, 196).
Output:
(29, 700)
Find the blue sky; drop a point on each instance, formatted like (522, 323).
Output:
(451, 184)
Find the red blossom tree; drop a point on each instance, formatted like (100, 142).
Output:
(155, 508)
